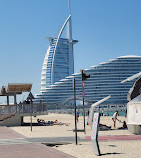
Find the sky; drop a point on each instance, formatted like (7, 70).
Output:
(105, 29)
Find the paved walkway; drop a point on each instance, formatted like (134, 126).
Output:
(116, 137)
(15, 145)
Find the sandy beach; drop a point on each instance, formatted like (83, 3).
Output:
(119, 149)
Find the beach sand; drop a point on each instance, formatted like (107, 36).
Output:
(84, 149)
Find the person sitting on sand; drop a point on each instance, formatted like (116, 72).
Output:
(40, 122)
(59, 123)
(124, 125)
(51, 123)
(114, 118)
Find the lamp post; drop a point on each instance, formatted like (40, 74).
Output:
(75, 112)
(84, 77)
(30, 97)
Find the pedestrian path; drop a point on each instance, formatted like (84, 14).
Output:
(13, 141)
(116, 137)
(14, 145)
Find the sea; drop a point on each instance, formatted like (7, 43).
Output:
(108, 113)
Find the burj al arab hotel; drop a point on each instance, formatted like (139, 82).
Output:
(59, 60)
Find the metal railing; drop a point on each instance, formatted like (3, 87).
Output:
(31, 108)
(8, 111)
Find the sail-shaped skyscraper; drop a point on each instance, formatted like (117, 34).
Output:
(59, 60)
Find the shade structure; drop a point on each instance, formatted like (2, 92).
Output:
(19, 87)
(15, 88)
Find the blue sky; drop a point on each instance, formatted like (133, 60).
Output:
(105, 30)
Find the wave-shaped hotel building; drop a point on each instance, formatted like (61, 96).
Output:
(58, 74)
(105, 80)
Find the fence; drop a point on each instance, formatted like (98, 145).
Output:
(8, 111)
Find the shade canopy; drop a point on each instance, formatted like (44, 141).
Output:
(19, 87)
(15, 88)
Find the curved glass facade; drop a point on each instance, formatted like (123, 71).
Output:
(59, 61)
(104, 80)
(58, 66)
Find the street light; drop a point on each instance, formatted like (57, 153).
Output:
(84, 77)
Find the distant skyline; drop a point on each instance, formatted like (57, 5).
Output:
(105, 30)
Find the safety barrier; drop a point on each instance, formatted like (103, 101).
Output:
(11, 110)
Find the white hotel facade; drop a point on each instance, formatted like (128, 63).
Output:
(105, 80)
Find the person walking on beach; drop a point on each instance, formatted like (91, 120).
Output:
(77, 115)
(114, 118)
